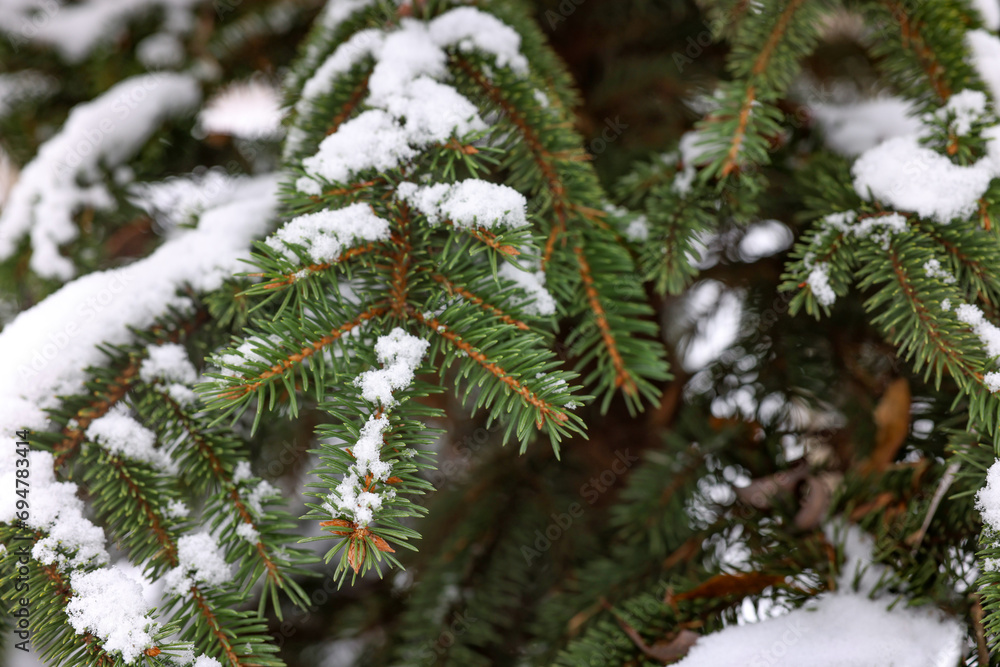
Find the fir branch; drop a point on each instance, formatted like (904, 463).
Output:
(209, 464)
(760, 66)
(467, 294)
(111, 384)
(911, 38)
(249, 384)
(623, 378)
(532, 140)
(546, 411)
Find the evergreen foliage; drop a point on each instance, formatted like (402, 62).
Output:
(439, 362)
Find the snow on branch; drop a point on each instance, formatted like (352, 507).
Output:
(902, 173)
(75, 29)
(467, 204)
(985, 49)
(100, 134)
(179, 200)
(110, 605)
(249, 110)
(842, 627)
(120, 434)
(335, 13)
(408, 106)
(200, 562)
(71, 541)
(326, 234)
(104, 601)
(400, 354)
(49, 347)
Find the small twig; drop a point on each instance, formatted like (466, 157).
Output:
(943, 485)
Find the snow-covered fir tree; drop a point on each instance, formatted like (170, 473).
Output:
(419, 332)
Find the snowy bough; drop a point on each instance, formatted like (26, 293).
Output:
(422, 241)
(413, 145)
(397, 140)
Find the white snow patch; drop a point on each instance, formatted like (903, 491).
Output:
(400, 354)
(179, 199)
(472, 29)
(819, 283)
(9, 173)
(242, 472)
(371, 140)
(692, 148)
(160, 50)
(711, 319)
(902, 173)
(120, 434)
(988, 498)
(333, 15)
(75, 29)
(326, 234)
(838, 630)
(110, 604)
(407, 106)
(878, 228)
(361, 44)
(249, 110)
(933, 269)
(176, 509)
(168, 362)
(985, 49)
(966, 107)
(763, 239)
(844, 628)
(467, 204)
(988, 333)
(992, 381)
(540, 301)
(990, 11)
(258, 494)
(71, 540)
(638, 229)
(247, 532)
(199, 562)
(852, 129)
(181, 394)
